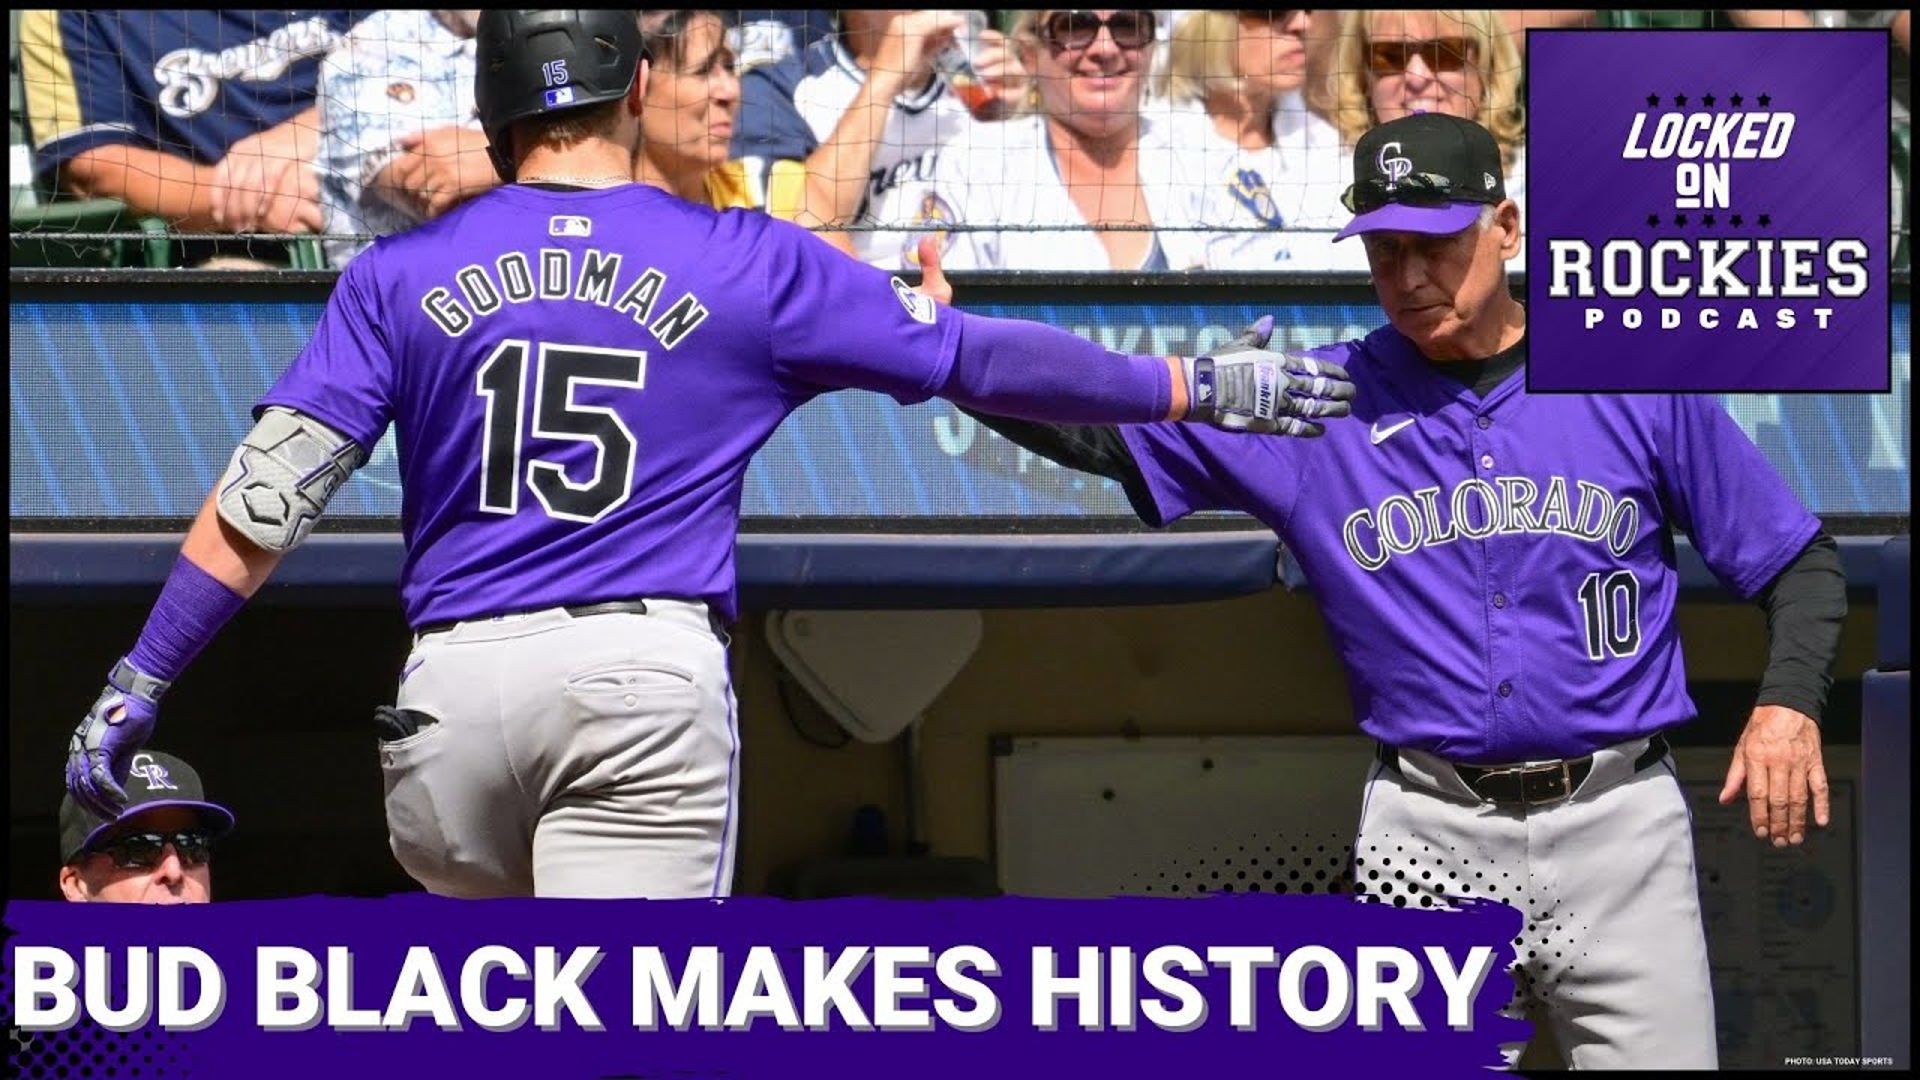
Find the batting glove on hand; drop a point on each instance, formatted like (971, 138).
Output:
(1244, 386)
(100, 755)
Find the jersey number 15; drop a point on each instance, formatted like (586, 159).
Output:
(502, 382)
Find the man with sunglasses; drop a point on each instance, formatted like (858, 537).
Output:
(157, 850)
(1499, 578)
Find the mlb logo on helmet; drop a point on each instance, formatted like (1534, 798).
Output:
(559, 96)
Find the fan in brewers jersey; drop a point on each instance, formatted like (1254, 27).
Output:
(880, 112)
(1269, 173)
(1088, 183)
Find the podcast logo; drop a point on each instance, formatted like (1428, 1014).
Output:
(1712, 216)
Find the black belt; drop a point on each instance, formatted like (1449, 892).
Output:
(608, 607)
(1532, 784)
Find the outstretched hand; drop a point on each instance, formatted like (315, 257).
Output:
(1246, 386)
(933, 280)
(1778, 762)
(100, 754)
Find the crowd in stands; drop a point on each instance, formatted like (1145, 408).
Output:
(1028, 140)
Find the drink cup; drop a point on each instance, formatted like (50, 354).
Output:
(956, 62)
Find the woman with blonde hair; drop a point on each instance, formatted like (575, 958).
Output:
(1084, 182)
(1269, 173)
(1390, 64)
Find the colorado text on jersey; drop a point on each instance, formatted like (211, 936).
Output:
(1477, 509)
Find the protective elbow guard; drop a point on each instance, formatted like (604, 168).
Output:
(283, 475)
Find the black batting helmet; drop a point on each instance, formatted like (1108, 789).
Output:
(535, 62)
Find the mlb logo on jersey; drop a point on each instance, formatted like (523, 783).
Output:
(568, 225)
(559, 96)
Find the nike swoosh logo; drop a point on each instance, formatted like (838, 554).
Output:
(411, 668)
(1381, 434)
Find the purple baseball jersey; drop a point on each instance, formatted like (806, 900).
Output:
(579, 378)
(1498, 574)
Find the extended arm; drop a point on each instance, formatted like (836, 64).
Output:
(279, 482)
(152, 183)
(1091, 448)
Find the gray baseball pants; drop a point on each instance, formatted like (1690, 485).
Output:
(1613, 949)
(592, 756)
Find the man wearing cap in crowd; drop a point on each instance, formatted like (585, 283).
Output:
(1497, 572)
(157, 851)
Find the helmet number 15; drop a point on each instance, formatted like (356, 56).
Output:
(558, 369)
(1610, 607)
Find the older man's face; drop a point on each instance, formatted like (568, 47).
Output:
(96, 878)
(1442, 291)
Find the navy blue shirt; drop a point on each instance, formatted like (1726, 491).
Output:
(189, 83)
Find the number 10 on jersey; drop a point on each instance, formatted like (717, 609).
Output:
(1610, 607)
(502, 383)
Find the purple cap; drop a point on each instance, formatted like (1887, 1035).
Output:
(156, 780)
(1425, 173)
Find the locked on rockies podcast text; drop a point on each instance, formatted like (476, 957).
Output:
(1709, 214)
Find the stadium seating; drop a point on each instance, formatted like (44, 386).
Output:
(48, 217)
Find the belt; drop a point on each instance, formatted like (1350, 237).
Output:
(1535, 783)
(609, 607)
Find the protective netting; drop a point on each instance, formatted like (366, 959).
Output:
(1042, 140)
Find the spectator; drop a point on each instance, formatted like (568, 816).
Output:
(761, 38)
(156, 852)
(399, 139)
(205, 119)
(1464, 63)
(1093, 173)
(878, 114)
(1266, 166)
(693, 98)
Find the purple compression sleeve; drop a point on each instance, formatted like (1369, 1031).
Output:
(1034, 372)
(193, 606)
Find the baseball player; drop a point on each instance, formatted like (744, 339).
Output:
(579, 369)
(1498, 574)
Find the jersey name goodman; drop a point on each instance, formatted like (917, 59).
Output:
(1477, 509)
(596, 280)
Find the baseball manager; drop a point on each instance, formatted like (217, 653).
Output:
(1497, 571)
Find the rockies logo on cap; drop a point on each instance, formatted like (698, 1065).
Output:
(1426, 173)
(154, 773)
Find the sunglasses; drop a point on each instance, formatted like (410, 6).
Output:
(1072, 31)
(1441, 54)
(1414, 189)
(144, 851)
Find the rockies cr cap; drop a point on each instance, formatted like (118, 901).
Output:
(1427, 173)
(156, 780)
